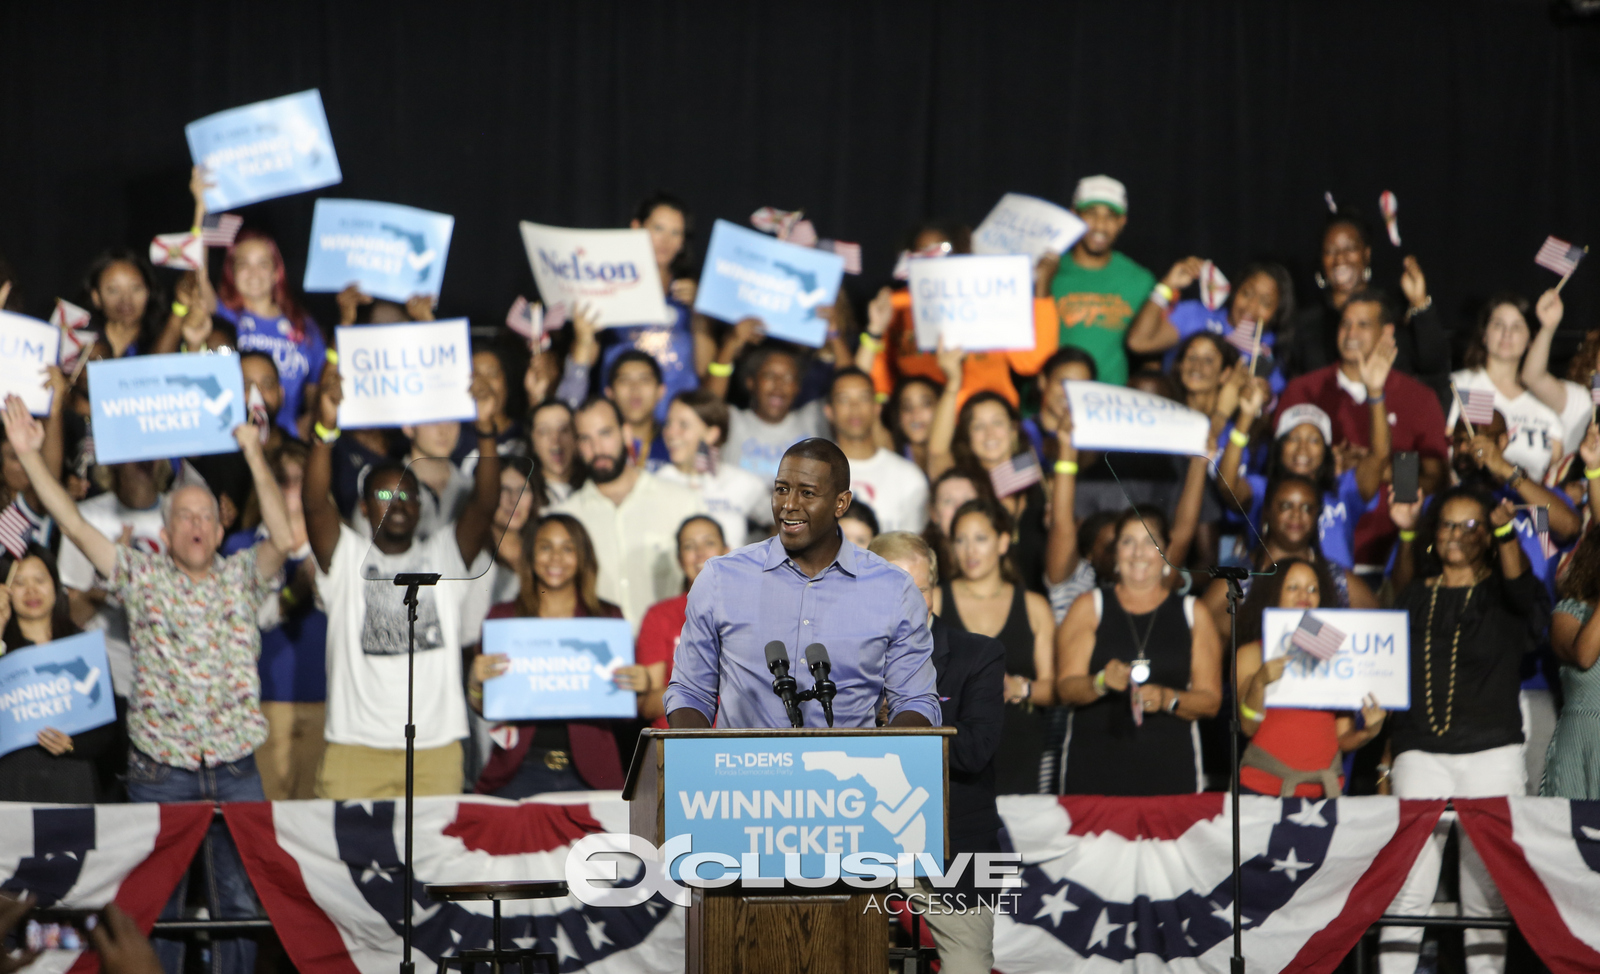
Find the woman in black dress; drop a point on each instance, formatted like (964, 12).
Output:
(60, 768)
(1140, 665)
(984, 597)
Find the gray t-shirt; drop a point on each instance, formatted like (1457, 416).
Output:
(758, 446)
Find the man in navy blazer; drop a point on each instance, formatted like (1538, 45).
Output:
(971, 679)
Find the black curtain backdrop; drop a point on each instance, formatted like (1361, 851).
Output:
(1227, 121)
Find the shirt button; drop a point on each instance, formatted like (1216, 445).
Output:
(806, 622)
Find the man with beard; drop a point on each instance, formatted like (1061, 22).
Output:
(367, 620)
(1098, 290)
(632, 515)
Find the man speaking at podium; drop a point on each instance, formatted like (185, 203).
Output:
(807, 585)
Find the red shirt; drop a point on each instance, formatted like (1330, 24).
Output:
(1305, 740)
(658, 636)
(1415, 423)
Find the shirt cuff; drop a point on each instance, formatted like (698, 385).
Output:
(677, 696)
(927, 705)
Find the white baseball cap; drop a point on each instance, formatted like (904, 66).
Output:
(1100, 189)
(1305, 413)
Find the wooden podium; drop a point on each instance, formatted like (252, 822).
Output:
(830, 930)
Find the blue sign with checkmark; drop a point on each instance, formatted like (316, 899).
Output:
(155, 407)
(63, 685)
(388, 250)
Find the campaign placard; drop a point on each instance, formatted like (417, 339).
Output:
(1021, 224)
(612, 271)
(1374, 657)
(155, 407)
(399, 375)
(63, 685)
(749, 274)
(560, 668)
(390, 251)
(978, 304)
(877, 795)
(262, 151)
(1109, 417)
(28, 347)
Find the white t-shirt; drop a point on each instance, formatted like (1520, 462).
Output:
(732, 495)
(1535, 430)
(895, 488)
(367, 637)
(758, 446)
(1575, 414)
(108, 515)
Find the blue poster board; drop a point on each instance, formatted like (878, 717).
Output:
(64, 685)
(807, 795)
(748, 274)
(154, 407)
(262, 151)
(391, 251)
(560, 669)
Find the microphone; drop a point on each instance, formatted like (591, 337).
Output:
(782, 683)
(821, 666)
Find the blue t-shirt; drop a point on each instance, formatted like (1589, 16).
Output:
(298, 362)
(672, 346)
(1191, 317)
(293, 663)
(1342, 507)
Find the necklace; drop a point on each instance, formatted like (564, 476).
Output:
(1138, 641)
(1427, 662)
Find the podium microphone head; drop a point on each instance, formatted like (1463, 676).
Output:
(776, 653)
(818, 653)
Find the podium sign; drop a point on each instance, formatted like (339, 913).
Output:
(822, 798)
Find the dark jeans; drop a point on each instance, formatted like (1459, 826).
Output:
(535, 777)
(228, 892)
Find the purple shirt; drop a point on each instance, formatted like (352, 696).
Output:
(866, 611)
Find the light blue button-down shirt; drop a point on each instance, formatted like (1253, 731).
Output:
(866, 611)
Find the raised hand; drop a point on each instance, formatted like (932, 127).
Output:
(1372, 714)
(684, 290)
(1549, 309)
(951, 361)
(350, 301)
(1502, 514)
(198, 185)
(24, 432)
(1376, 364)
(330, 393)
(1404, 516)
(248, 436)
(419, 307)
(1589, 449)
(483, 395)
(1413, 282)
(880, 312)
(1251, 401)
(1044, 272)
(1183, 273)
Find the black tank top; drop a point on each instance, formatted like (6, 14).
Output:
(1022, 736)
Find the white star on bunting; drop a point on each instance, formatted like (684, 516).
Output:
(1103, 929)
(1055, 904)
(1292, 866)
(1310, 814)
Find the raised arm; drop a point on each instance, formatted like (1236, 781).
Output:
(1374, 373)
(1404, 517)
(1536, 365)
(54, 449)
(880, 314)
(270, 554)
(1513, 561)
(27, 436)
(1186, 519)
(1061, 548)
(747, 332)
(1152, 331)
(1231, 468)
(322, 516)
(476, 524)
(942, 433)
(1429, 338)
(1564, 521)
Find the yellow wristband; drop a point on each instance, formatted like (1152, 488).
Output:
(1067, 467)
(1408, 536)
(881, 397)
(871, 344)
(180, 309)
(332, 356)
(323, 433)
(1248, 713)
(1592, 474)
(721, 370)
(194, 231)
(1239, 438)
(1505, 529)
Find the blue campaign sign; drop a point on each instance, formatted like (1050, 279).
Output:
(879, 794)
(560, 668)
(391, 251)
(749, 274)
(154, 407)
(260, 152)
(63, 685)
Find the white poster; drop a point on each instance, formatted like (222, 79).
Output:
(27, 347)
(395, 375)
(1021, 224)
(1110, 417)
(979, 304)
(612, 271)
(1374, 657)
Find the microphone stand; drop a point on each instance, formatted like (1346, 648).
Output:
(1233, 576)
(412, 581)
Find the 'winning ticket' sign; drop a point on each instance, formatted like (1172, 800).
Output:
(398, 375)
(155, 407)
(390, 251)
(63, 685)
(975, 303)
(28, 347)
(613, 272)
(1373, 657)
(1116, 418)
(749, 274)
(1028, 225)
(560, 668)
(265, 150)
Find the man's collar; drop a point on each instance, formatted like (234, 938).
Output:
(1354, 389)
(846, 559)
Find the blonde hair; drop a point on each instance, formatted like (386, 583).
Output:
(897, 545)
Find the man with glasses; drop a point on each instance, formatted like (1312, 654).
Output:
(368, 627)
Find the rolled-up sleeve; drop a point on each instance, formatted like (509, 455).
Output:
(909, 678)
(694, 680)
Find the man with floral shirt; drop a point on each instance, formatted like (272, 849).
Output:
(194, 717)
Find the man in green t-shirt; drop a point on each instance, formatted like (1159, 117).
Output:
(1099, 290)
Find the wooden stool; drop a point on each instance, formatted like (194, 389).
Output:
(497, 956)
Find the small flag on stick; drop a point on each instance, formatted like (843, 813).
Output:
(1391, 215)
(1559, 256)
(1478, 407)
(1016, 474)
(1214, 286)
(16, 529)
(1316, 637)
(220, 229)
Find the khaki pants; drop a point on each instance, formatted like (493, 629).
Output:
(289, 757)
(351, 772)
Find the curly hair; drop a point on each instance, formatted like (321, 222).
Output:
(1266, 592)
(1582, 579)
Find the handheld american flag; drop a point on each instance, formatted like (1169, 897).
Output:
(220, 229)
(1316, 637)
(16, 529)
(1016, 474)
(1242, 337)
(850, 252)
(1478, 406)
(1559, 256)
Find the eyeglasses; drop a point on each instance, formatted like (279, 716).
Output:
(391, 495)
(1462, 527)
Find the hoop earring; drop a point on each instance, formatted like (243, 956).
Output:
(1322, 282)
(1366, 274)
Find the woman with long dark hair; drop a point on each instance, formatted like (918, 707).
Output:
(127, 302)
(558, 571)
(60, 768)
(1493, 363)
(1264, 296)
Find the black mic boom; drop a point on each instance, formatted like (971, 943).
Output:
(823, 689)
(782, 683)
